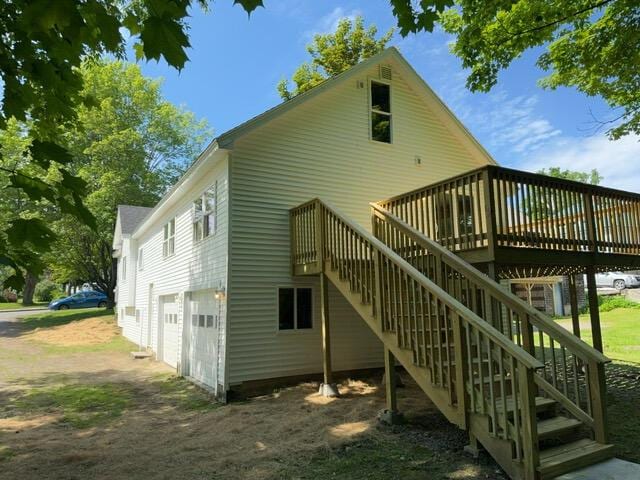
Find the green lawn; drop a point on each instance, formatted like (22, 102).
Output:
(620, 333)
(18, 305)
(621, 343)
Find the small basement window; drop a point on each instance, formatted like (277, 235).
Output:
(380, 112)
(295, 308)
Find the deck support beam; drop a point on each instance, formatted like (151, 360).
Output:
(573, 299)
(328, 387)
(390, 415)
(594, 309)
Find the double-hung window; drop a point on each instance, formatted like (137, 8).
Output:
(380, 107)
(295, 308)
(169, 238)
(124, 269)
(205, 213)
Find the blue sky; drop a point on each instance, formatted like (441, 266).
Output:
(236, 62)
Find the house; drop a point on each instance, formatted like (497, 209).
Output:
(267, 260)
(224, 227)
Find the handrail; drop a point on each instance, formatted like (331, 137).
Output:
(480, 369)
(562, 182)
(562, 378)
(493, 207)
(540, 321)
(525, 358)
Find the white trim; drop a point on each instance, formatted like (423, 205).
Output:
(370, 109)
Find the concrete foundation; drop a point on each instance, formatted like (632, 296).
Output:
(329, 390)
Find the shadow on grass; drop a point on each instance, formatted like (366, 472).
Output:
(57, 318)
(623, 399)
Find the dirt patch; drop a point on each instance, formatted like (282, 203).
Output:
(91, 331)
(102, 415)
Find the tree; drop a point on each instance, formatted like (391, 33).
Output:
(592, 45)
(333, 53)
(593, 177)
(541, 206)
(43, 44)
(130, 150)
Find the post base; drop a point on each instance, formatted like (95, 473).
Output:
(329, 390)
(399, 383)
(390, 417)
(472, 451)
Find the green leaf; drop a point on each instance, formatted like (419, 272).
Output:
(249, 5)
(35, 188)
(162, 37)
(73, 183)
(31, 231)
(44, 152)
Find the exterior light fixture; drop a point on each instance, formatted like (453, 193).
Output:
(220, 293)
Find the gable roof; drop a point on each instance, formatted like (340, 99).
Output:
(130, 217)
(407, 72)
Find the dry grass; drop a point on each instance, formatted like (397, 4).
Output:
(90, 331)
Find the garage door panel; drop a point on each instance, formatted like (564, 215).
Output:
(169, 328)
(203, 336)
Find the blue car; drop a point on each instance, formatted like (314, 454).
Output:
(80, 300)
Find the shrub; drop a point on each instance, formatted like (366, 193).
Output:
(610, 302)
(46, 290)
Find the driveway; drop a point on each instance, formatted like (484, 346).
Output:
(75, 405)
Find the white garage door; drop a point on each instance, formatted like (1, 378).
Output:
(168, 327)
(202, 338)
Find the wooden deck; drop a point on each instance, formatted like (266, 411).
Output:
(527, 224)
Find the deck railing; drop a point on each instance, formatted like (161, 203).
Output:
(481, 369)
(573, 372)
(499, 207)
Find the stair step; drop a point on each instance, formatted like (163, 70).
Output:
(571, 456)
(556, 426)
(542, 404)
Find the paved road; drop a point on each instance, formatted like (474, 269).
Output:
(13, 316)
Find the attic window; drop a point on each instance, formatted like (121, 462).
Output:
(380, 112)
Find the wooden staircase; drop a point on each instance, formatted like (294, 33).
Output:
(528, 391)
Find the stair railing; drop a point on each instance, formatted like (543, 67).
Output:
(480, 368)
(573, 372)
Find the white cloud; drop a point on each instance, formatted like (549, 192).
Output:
(329, 22)
(617, 161)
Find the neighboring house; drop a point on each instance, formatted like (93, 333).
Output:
(205, 277)
(549, 294)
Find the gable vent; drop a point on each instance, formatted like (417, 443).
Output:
(385, 72)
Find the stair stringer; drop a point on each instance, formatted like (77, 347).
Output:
(422, 376)
(501, 450)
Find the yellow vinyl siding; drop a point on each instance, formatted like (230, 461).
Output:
(322, 149)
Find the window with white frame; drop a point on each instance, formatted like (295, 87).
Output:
(140, 259)
(295, 308)
(380, 111)
(123, 269)
(205, 213)
(169, 238)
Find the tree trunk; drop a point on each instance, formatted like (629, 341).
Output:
(29, 289)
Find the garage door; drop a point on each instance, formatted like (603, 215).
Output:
(202, 338)
(168, 326)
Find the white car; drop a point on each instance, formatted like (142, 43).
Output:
(617, 280)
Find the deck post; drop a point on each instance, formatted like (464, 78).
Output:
(573, 299)
(328, 387)
(594, 311)
(390, 415)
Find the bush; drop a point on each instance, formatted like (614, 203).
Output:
(610, 302)
(46, 290)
